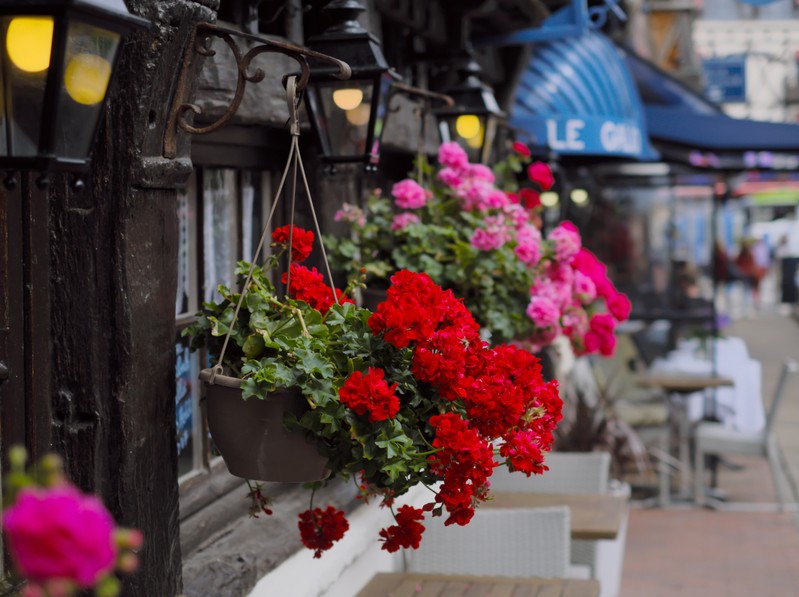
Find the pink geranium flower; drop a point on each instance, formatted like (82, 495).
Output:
(566, 243)
(400, 221)
(450, 177)
(59, 533)
(480, 172)
(528, 244)
(544, 312)
(409, 194)
(452, 155)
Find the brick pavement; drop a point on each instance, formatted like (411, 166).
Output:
(752, 551)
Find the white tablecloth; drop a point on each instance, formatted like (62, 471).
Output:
(740, 406)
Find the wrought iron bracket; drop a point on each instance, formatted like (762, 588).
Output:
(426, 96)
(198, 45)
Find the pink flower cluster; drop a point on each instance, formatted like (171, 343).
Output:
(572, 293)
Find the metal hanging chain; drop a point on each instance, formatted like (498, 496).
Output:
(294, 163)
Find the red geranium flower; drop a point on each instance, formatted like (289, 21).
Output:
(370, 393)
(301, 241)
(319, 529)
(529, 198)
(308, 285)
(407, 533)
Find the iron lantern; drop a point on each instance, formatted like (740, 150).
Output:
(348, 116)
(475, 119)
(58, 58)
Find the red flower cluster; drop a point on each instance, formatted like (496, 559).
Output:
(407, 532)
(501, 390)
(319, 529)
(301, 241)
(470, 396)
(370, 393)
(416, 307)
(308, 285)
(465, 461)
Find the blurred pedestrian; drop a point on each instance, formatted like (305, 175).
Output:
(725, 274)
(751, 274)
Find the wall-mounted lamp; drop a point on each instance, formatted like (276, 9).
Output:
(348, 118)
(58, 59)
(475, 118)
(198, 46)
(579, 196)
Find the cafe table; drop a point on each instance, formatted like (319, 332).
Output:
(414, 584)
(678, 385)
(594, 516)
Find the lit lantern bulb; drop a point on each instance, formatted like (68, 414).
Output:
(86, 78)
(549, 199)
(359, 115)
(467, 126)
(477, 141)
(347, 99)
(29, 41)
(579, 196)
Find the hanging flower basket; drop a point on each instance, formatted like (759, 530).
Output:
(251, 436)
(404, 395)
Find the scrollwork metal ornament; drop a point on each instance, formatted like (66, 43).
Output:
(199, 45)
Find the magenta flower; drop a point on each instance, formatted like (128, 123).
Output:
(402, 220)
(408, 194)
(59, 533)
(452, 155)
(541, 174)
(619, 306)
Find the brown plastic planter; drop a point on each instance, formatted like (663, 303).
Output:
(251, 437)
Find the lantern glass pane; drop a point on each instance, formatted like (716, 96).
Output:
(343, 111)
(88, 62)
(380, 117)
(27, 44)
(490, 141)
(468, 131)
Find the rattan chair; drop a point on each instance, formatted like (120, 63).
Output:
(497, 542)
(578, 472)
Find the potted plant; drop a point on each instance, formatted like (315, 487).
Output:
(477, 231)
(404, 395)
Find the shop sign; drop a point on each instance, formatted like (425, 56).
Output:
(725, 78)
(590, 135)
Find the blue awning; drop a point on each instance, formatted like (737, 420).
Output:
(688, 128)
(577, 98)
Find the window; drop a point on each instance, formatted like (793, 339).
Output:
(221, 215)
